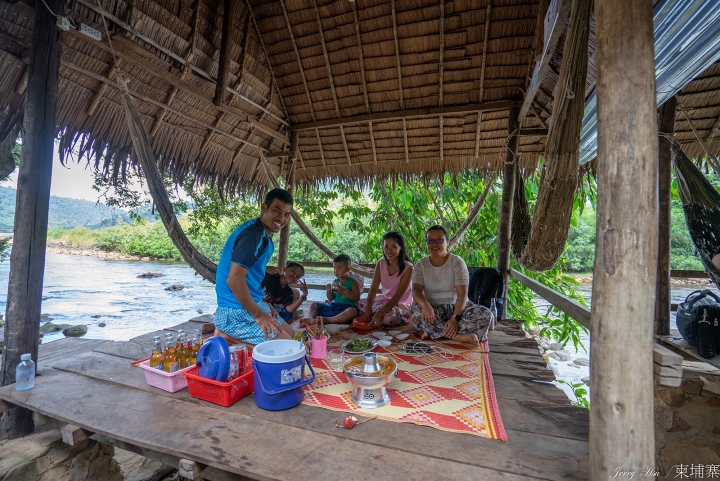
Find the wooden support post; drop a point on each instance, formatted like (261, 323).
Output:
(284, 241)
(27, 260)
(508, 192)
(225, 49)
(6, 406)
(625, 275)
(662, 298)
(190, 469)
(73, 435)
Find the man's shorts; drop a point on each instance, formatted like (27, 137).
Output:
(240, 324)
(333, 309)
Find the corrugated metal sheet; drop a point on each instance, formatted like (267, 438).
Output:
(687, 42)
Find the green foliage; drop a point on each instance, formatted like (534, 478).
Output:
(580, 391)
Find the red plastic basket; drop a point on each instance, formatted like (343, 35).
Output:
(222, 393)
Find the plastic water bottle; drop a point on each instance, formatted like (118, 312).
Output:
(234, 364)
(25, 373)
(500, 307)
(493, 308)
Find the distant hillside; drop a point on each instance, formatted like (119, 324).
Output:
(64, 212)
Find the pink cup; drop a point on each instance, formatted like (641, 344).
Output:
(318, 348)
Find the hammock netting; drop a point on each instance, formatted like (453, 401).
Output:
(701, 204)
(539, 244)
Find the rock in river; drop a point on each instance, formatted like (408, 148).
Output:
(150, 275)
(174, 287)
(50, 327)
(75, 331)
(561, 355)
(102, 324)
(582, 361)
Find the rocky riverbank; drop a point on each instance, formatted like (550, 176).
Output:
(691, 281)
(92, 251)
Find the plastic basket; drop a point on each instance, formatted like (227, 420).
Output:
(167, 381)
(222, 393)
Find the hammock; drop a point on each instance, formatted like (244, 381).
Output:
(701, 204)
(538, 246)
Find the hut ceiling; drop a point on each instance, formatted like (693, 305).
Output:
(371, 87)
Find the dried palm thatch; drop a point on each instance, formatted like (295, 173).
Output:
(559, 179)
(701, 204)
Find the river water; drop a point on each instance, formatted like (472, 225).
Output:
(91, 291)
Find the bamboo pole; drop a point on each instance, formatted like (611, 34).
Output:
(27, 259)
(662, 299)
(284, 241)
(625, 275)
(503, 261)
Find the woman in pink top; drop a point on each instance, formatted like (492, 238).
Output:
(394, 272)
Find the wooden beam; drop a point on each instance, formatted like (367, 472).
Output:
(372, 142)
(508, 192)
(662, 296)
(713, 130)
(347, 152)
(243, 58)
(168, 52)
(362, 59)
(73, 435)
(225, 50)
(144, 98)
(275, 155)
(267, 59)
(397, 58)
(442, 146)
(533, 132)
(667, 366)
(569, 306)
(25, 284)
(442, 54)
(486, 34)
(624, 279)
(407, 155)
(322, 153)
(298, 58)
(134, 54)
(6, 406)
(101, 91)
(554, 26)
(477, 135)
(407, 114)
(689, 274)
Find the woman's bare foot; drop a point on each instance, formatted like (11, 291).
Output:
(470, 338)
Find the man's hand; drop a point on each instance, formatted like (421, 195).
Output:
(269, 326)
(428, 314)
(273, 312)
(451, 328)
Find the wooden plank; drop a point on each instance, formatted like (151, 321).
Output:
(665, 357)
(554, 25)
(569, 306)
(5, 406)
(407, 114)
(132, 416)
(73, 435)
(675, 340)
(117, 370)
(225, 49)
(689, 274)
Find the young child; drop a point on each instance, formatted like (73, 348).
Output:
(278, 292)
(344, 293)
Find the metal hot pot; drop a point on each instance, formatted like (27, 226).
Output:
(370, 374)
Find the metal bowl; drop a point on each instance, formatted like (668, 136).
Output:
(370, 387)
(344, 347)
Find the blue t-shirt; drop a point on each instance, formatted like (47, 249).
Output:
(251, 247)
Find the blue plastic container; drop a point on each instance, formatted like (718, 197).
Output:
(279, 367)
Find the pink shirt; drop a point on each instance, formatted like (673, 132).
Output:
(390, 284)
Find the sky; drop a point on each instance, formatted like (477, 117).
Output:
(74, 180)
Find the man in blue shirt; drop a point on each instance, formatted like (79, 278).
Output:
(242, 314)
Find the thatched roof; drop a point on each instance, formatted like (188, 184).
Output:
(372, 87)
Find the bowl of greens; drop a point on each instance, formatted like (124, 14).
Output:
(359, 345)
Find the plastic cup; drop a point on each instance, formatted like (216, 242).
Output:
(318, 348)
(336, 358)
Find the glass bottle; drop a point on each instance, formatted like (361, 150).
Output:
(170, 363)
(157, 356)
(180, 350)
(493, 308)
(196, 343)
(234, 364)
(25, 373)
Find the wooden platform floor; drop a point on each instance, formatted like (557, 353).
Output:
(676, 341)
(91, 384)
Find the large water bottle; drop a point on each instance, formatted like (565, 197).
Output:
(25, 373)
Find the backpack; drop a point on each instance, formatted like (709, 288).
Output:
(486, 283)
(698, 320)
